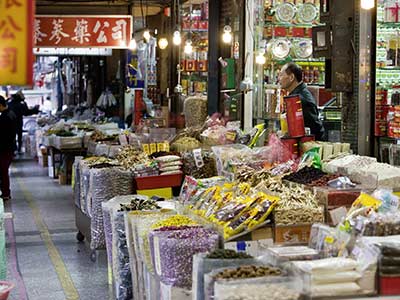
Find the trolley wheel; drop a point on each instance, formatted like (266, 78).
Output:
(93, 256)
(80, 237)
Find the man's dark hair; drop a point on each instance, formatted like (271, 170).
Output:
(3, 101)
(295, 69)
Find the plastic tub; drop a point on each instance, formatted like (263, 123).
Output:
(6, 291)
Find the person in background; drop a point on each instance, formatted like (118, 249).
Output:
(8, 129)
(291, 80)
(18, 105)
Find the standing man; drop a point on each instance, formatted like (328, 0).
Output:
(8, 126)
(291, 80)
(18, 105)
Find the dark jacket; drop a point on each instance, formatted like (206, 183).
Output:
(8, 129)
(310, 111)
(20, 109)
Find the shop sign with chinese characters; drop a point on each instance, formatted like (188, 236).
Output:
(16, 57)
(82, 31)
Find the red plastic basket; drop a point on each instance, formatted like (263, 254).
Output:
(389, 285)
(158, 182)
(4, 293)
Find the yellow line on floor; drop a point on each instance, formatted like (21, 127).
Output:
(67, 284)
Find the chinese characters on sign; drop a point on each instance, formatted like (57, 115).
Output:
(16, 42)
(82, 31)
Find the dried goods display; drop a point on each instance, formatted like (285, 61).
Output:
(173, 253)
(102, 189)
(195, 111)
(227, 254)
(199, 165)
(377, 175)
(204, 263)
(298, 206)
(99, 136)
(139, 203)
(305, 175)
(100, 162)
(254, 291)
(248, 272)
(185, 143)
(129, 156)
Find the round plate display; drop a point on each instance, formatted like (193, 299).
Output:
(280, 48)
(285, 12)
(307, 13)
(303, 49)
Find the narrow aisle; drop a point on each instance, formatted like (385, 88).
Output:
(50, 263)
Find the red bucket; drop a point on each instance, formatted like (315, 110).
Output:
(294, 116)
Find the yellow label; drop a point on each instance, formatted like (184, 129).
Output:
(329, 240)
(146, 149)
(160, 147)
(367, 201)
(153, 148)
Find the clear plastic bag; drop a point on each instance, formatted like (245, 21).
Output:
(174, 251)
(271, 288)
(103, 189)
(203, 265)
(195, 111)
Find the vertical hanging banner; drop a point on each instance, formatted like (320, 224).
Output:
(16, 42)
(83, 31)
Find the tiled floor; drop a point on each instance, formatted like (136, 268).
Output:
(56, 267)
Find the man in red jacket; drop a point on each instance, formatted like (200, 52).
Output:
(8, 130)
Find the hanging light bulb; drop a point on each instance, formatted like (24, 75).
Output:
(132, 44)
(227, 35)
(188, 47)
(163, 43)
(146, 35)
(367, 4)
(260, 58)
(177, 39)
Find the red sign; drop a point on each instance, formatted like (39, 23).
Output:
(16, 57)
(83, 31)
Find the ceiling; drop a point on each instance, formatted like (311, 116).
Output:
(150, 7)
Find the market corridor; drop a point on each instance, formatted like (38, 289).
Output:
(44, 259)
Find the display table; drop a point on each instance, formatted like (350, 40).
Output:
(58, 155)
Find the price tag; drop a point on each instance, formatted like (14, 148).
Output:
(198, 159)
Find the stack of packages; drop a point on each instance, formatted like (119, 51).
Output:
(389, 269)
(169, 164)
(330, 277)
(120, 254)
(144, 170)
(172, 249)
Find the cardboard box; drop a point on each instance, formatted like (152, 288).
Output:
(292, 234)
(62, 179)
(254, 248)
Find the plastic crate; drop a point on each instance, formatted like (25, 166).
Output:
(158, 182)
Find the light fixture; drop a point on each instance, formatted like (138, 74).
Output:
(188, 47)
(132, 44)
(367, 4)
(227, 35)
(260, 58)
(163, 43)
(146, 35)
(177, 39)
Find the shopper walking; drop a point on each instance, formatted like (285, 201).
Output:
(291, 80)
(8, 126)
(18, 105)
